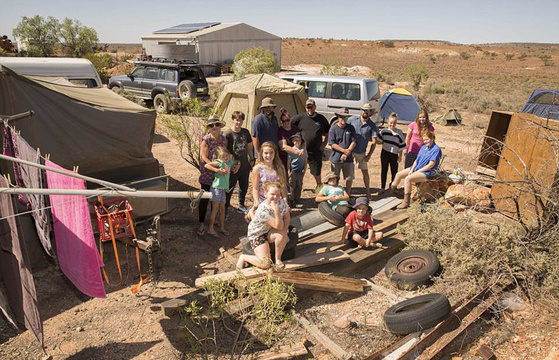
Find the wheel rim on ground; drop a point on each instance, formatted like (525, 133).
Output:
(411, 265)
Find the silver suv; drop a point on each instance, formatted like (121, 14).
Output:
(331, 93)
(165, 83)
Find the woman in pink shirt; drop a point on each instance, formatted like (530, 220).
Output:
(414, 141)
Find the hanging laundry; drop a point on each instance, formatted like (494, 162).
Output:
(75, 245)
(30, 177)
(15, 269)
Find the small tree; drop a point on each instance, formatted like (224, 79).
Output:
(101, 63)
(255, 60)
(77, 40)
(417, 74)
(39, 35)
(188, 128)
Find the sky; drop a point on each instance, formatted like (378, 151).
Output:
(465, 22)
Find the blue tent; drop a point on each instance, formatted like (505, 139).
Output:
(543, 103)
(402, 103)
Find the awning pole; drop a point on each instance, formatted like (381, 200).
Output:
(69, 173)
(17, 116)
(111, 193)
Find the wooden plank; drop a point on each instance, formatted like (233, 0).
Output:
(320, 282)
(284, 352)
(230, 259)
(297, 263)
(313, 330)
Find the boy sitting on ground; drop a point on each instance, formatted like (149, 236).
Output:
(359, 226)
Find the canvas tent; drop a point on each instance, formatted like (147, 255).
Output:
(246, 95)
(543, 103)
(401, 102)
(451, 117)
(104, 134)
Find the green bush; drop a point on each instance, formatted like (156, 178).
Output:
(465, 55)
(417, 73)
(509, 56)
(101, 62)
(333, 68)
(386, 43)
(255, 60)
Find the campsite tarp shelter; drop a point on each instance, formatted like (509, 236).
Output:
(401, 102)
(246, 95)
(543, 103)
(451, 117)
(107, 136)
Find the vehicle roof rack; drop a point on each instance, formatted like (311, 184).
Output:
(166, 60)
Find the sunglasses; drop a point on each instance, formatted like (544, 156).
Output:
(310, 106)
(367, 110)
(285, 120)
(211, 126)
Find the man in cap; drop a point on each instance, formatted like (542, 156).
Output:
(342, 140)
(366, 131)
(314, 127)
(265, 125)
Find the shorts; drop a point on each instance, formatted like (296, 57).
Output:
(218, 195)
(348, 169)
(315, 163)
(259, 240)
(364, 234)
(362, 164)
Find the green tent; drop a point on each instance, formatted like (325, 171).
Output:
(452, 117)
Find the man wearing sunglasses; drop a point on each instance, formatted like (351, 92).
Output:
(366, 132)
(265, 125)
(314, 127)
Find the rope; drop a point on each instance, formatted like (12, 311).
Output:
(194, 202)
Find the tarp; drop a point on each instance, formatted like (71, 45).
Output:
(104, 134)
(451, 117)
(543, 103)
(402, 103)
(246, 95)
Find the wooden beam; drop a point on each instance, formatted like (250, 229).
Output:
(297, 263)
(284, 352)
(313, 330)
(320, 282)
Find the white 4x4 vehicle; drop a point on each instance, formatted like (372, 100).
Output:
(331, 93)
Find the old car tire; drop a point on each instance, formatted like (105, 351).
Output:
(411, 269)
(418, 313)
(187, 90)
(161, 104)
(330, 215)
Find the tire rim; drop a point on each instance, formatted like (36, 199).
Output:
(160, 105)
(411, 265)
(185, 93)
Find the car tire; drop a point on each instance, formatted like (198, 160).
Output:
(333, 217)
(161, 103)
(411, 269)
(117, 89)
(187, 90)
(290, 248)
(418, 313)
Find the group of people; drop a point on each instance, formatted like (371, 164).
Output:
(274, 156)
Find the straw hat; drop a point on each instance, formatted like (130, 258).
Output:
(267, 102)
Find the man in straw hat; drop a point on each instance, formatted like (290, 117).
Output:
(265, 125)
(342, 140)
(366, 132)
(314, 128)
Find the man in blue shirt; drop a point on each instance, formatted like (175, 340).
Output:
(342, 140)
(424, 167)
(366, 131)
(265, 125)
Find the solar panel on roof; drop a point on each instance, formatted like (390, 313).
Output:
(186, 28)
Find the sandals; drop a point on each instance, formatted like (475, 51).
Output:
(201, 232)
(280, 265)
(215, 235)
(225, 232)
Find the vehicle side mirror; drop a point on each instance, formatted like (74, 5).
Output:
(130, 75)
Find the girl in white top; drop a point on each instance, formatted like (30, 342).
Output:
(393, 145)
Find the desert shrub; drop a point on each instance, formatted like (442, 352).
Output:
(125, 58)
(187, 128)
(128, 95)
(255, 60)
(522, 56)
(212, 328)
(465, 55)
(333, 68)
(442, 55)
(101, 62)
(432, 58)
(509, 56)
(417, 73)
(327, 41)
(474, 254)
(386, 43)
(546, 58)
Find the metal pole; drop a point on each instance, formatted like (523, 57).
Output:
(111, 193)
(17, 116)
(69, 173)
